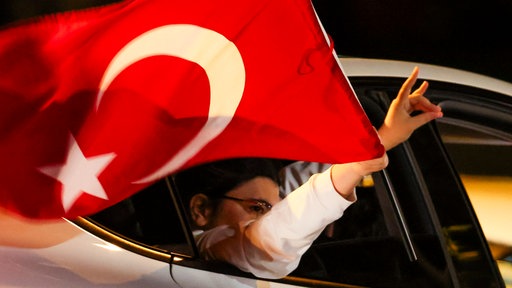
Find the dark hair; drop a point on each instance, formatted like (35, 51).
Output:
(217, 178)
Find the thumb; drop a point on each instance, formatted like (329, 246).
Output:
(423, 118)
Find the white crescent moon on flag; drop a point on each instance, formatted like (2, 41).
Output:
(219, 58)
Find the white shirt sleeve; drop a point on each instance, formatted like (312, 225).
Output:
(271, 247)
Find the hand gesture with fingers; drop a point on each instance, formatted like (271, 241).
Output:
(399, 124)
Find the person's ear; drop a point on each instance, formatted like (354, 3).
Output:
(200, 210)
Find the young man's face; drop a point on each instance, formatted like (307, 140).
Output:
(249, 201)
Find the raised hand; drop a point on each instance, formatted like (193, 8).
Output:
(399, 124)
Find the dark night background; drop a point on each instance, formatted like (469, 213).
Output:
(469, 35)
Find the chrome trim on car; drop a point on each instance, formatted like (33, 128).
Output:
(130, 245)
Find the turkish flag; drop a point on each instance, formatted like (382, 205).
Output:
(97, 104)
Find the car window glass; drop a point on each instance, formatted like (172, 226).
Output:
(483, 157)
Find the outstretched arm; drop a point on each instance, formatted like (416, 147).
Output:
(398, 127)
(399, 124)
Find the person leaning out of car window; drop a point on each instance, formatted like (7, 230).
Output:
(240, 217)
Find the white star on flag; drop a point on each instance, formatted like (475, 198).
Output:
(79, 174)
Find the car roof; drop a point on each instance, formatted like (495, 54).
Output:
(356, 67)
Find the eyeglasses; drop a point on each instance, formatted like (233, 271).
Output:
(255, 205)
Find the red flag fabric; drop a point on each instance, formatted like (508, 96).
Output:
(99, 103)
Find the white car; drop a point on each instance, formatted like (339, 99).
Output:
(436, 217)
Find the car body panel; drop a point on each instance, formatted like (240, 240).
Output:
(83, 260)
(359, 67)
(193, 278)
